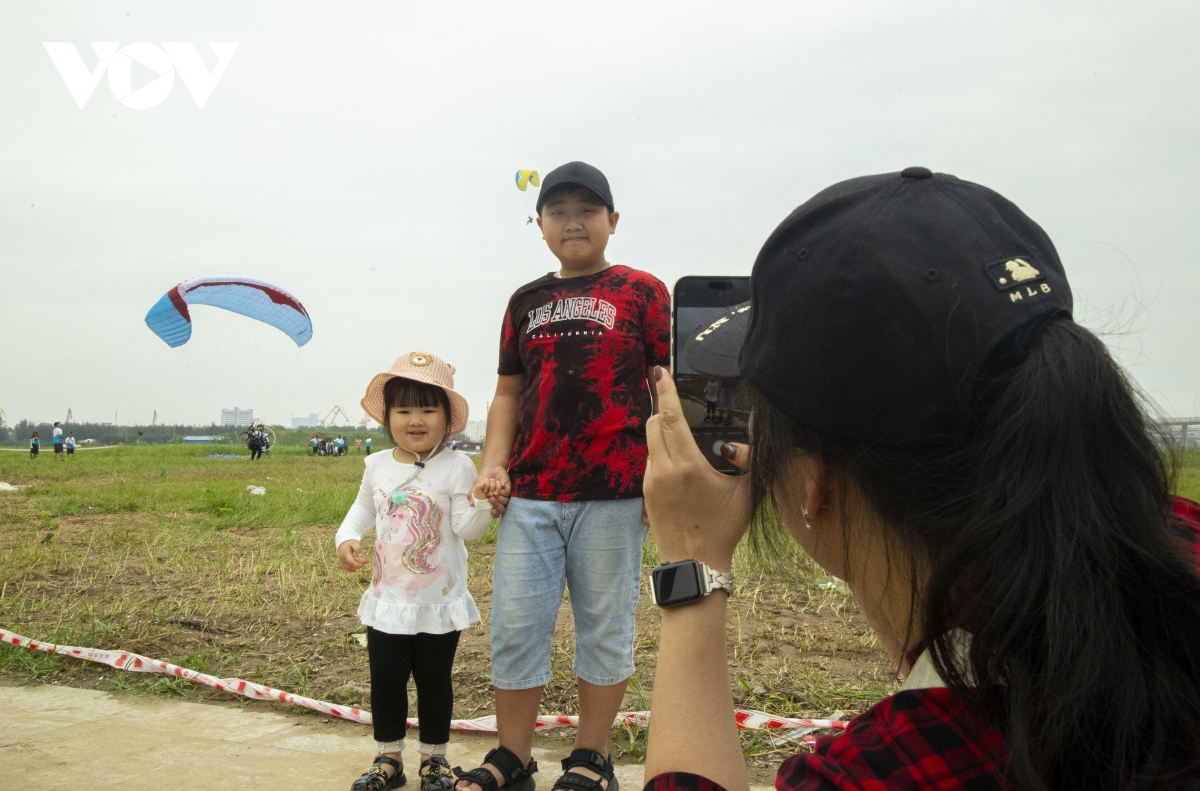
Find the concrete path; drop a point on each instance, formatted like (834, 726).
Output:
(54, 737)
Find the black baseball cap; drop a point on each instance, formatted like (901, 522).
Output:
(580, 174)
(876, 305)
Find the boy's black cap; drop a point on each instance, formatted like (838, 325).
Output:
(876, 304)
(580, 173)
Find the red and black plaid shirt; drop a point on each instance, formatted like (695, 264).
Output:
(915, 739)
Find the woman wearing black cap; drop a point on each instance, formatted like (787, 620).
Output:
(931, 426)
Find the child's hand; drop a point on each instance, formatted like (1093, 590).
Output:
(350, 556)
(486, 488)
(494, 485)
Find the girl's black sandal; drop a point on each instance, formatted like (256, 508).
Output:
(376, 779)
(590, 759)
(516, 777)
(435, 774)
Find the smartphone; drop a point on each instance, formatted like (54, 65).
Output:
(716, 405)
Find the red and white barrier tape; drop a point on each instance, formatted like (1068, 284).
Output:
(124, 660)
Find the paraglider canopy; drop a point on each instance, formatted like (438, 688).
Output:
(171, 320)
(527, 177)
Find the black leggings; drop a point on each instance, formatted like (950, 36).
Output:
(429, 658)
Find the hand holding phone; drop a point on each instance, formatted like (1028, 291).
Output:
(695, 512)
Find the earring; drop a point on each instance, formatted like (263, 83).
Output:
(804, 513)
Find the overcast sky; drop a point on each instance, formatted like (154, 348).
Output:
(361, 155)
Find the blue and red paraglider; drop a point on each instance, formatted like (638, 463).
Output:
(255, 299)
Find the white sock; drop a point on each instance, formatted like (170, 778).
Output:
(383, 748)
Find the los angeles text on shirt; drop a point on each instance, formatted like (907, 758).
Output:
(571, 309)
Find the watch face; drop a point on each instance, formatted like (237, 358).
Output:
(677, 583)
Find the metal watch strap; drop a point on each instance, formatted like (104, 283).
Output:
(716, 580)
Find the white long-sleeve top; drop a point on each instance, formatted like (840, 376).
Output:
(421, 518)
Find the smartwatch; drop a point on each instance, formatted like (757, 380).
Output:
(685, 582)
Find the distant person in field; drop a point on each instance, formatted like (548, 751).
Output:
(313, 442)
(255, 443)
(70, 443)
(58, 441)
(368, 443)
(35, 445)
(358, 446)
(567, 441)
(422, 501)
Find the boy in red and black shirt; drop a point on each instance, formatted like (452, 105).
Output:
(566, 439)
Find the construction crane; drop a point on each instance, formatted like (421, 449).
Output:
(327, 421)
(69, 416)
(363, 423)
(154, 418)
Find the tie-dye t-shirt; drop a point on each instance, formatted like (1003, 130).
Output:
(584, 344)
(421, 518)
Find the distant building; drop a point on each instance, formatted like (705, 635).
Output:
(305, 422)
(199, 440)
(476, 430)
(238, 418)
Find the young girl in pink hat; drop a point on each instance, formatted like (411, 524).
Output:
(420, 503)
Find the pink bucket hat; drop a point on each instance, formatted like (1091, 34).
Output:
(420, 367)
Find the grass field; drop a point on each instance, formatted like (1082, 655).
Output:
(158, 550)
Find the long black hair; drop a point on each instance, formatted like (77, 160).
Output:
(1048, 536)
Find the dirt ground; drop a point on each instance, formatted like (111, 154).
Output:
(796, 648)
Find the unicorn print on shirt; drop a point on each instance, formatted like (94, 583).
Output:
(407, 552)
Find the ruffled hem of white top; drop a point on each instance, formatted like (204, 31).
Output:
(405, 618)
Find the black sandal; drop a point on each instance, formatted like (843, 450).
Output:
(376, 779)
(590, 759)
(516, 777)
(435, 774)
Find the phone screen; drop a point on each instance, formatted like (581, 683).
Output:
(716, 407)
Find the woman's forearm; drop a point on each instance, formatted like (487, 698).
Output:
(692, 726)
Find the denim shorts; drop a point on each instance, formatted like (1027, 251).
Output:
(594, 548)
